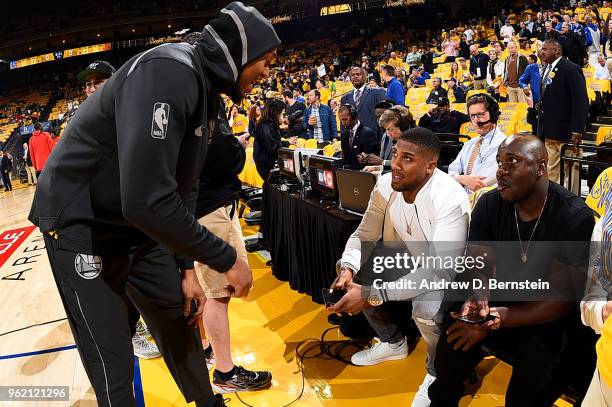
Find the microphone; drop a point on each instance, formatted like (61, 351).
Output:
(482, 124)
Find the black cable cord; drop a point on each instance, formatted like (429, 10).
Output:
(326, 351)
(32, 326)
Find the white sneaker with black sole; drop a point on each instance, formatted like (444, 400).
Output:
(421, 398)
(241, 380)
(380, 352)
(143, 344)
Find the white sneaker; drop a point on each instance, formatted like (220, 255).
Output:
(143, 344)
(380, 352)
(421, 398)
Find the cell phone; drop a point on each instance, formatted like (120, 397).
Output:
(332, 296)
(473, 319)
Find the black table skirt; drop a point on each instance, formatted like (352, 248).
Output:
(305, 239)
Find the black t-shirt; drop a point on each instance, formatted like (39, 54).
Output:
(219, 184)
(296, 106)
(562, 235)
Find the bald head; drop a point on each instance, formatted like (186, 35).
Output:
(529, 146)
(522, 171)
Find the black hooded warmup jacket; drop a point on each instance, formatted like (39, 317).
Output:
(133, 153)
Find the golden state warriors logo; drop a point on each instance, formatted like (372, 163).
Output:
(88, 266)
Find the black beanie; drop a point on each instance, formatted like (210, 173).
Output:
(236, 37)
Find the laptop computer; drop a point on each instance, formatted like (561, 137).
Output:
(354, 189)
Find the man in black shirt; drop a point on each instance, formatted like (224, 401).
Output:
(292, 104)
(530, 209)
(441, 119)
(5, 165)
(295, 113)
(573, 47)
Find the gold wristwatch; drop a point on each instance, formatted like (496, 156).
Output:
(374, 300)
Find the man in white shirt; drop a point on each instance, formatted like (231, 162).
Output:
(507, 32)
(601, 70)
(476, 166)
(415, 204)
(413, 58)
(469, 34)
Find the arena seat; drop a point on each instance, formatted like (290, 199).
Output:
(604, 135)
(416, 96)
(329, 150)
(311, 143)
(596, 198)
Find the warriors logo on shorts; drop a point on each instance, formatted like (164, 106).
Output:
(88, 266)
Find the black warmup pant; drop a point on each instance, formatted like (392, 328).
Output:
(96, 293)
(6, 179)
(536, 379)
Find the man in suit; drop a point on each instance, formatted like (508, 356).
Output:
(355, 138)
(562, 110)
(363, 98)
(4, 171)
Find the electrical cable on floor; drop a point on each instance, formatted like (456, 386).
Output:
(33, 326)
(332, 350)
(326, 351)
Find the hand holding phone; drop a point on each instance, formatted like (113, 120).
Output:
(331, 296)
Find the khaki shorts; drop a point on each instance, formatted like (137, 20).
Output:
(219, 223)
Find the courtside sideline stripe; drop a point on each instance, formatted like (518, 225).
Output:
(138, 393)
(37, 352)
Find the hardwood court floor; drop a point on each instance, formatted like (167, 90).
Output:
(265, 330)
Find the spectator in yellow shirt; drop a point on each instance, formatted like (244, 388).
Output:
(325, 93)
(605, 11)
(238, 121)
(394, 61)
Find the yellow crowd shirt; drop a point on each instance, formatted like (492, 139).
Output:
(325, 96)
(240, 124)
(395, 62)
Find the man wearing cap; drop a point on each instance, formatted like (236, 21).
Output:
(115, 203)
(94, 77)
(441, 119)
(455, 91)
